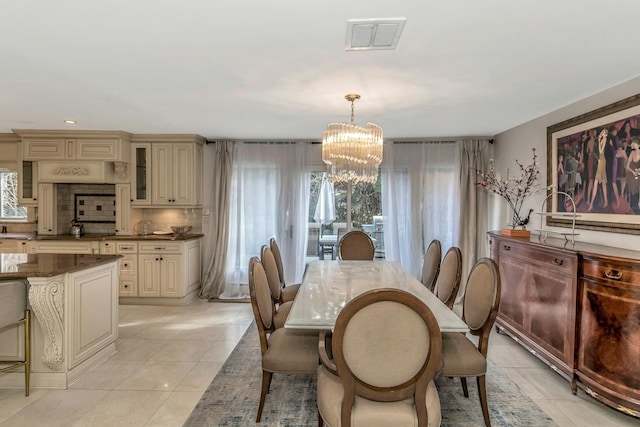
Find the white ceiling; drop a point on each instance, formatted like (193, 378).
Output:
(255, 69)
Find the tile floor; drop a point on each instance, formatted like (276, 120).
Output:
(167, 356)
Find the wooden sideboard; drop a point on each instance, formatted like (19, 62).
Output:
(577, 308)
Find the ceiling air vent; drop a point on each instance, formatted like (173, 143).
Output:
(374, 34)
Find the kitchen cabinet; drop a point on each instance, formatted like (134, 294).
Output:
(141, 174)
(169, 271)
(47, 209)
(167, 171)
(8, 246)
(128, 265)
(124, 226)
(28, 183)
(56, 246)
(176, 167)
(75, 145)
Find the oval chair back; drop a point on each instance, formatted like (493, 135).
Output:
(356, 245)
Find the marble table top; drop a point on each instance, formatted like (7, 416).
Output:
(17, 265)
(328, 285)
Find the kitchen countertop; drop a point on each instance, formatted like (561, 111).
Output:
(19, 266)
(97, 237)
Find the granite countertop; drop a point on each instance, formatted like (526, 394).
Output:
(19, 266)
(96, 237)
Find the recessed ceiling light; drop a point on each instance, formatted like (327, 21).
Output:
(70, 122)
(374, 34)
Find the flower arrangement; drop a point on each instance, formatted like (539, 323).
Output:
(513, 190)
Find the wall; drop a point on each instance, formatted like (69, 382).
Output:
(517, 143)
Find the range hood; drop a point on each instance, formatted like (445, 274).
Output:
(85, 172)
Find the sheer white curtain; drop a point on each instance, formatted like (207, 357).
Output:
(267, 199)
(419, 199)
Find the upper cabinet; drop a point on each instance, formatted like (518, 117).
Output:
(72, 145)
(167, 170)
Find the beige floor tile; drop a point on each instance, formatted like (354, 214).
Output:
(220, 351)
(124, 408)
(107, 376)
(200, 377)
(583, 410)
(57, 408)
(154, 375)
(175, 410)
(13, 400)
(134, 349)
(182, 351)
(158, 331)
(540, 383)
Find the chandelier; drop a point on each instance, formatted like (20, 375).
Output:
(352, 153)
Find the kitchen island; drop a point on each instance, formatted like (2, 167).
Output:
(74, 299)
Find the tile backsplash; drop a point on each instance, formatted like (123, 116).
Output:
(89, 202)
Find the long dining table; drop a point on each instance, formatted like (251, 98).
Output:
(328, 286)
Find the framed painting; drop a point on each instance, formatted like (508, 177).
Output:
(593, 163)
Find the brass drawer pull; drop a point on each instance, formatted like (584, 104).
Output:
(507, 247)
(613, 274)
(557, 261)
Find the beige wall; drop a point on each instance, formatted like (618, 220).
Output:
(516, 143)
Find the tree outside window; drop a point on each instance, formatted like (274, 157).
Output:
(9, 208)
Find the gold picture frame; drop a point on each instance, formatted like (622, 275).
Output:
(587, 159)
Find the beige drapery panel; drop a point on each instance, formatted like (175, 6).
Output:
(473, 227)
(216, 238)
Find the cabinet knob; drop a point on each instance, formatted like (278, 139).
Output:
(157, 259)
(557, 261)
(613, 274)
(507, 247)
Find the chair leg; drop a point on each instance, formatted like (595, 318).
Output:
(27, 351)
(465, 390)
(482, 392)
(320, 420)
(266, 381)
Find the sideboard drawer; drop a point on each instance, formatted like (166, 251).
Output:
(618, 272)
(556, 259)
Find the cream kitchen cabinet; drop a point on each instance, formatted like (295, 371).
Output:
(124, 226)
(176, 174)
(28, 183)
(47, 209)
(168, 271)
(128, 266)
(55, 246)
(75, 145)
(16, 246)
(141, 174)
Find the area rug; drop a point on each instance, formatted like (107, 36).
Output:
(232, 397)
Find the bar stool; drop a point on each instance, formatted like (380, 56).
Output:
(14, 310)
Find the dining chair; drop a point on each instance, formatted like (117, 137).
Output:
(281, 309)
(431, 264)
(288, 291)
(386, 350)
(356, 245)
(448, 282)
(14, 311)
(461, 358)
(283, 350)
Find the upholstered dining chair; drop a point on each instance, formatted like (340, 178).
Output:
(431, 264)
(14, 310)
(448, 281)
(461, 358)
(386, 350)
(283, 350)
(288, 291)
(271, 270)
(356, 245)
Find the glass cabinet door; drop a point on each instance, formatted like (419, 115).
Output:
(141, 176)
(27, 183)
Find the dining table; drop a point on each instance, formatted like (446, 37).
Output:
(328, 286)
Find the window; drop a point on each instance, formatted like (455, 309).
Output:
(9, 208)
